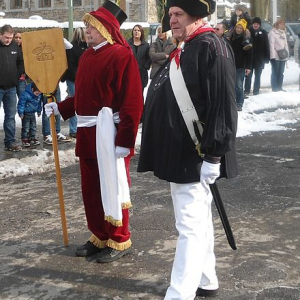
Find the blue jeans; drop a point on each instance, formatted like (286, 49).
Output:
(278, 67)
(9, 100)
(28, 126)
(73, 120)
(256, 86)
(45, 119)
(21, 87)
(239, 82)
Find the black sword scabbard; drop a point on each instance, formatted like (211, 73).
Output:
(223, 215)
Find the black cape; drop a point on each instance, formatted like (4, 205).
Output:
(167, 149)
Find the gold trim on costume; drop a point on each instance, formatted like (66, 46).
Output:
(205, 3)
(96, 242)
(88, 18)
(118, 223)
(119, 246)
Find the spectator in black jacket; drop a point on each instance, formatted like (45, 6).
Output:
(261, 55)
(11, 68)
(74, 53)
(243, 61)
(140, 50)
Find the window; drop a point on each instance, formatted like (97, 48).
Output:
(77, 2)
(15, 4)
(44, 3)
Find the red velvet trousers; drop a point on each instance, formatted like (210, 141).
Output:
(104, 233)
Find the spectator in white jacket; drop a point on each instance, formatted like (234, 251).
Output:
(278, 47)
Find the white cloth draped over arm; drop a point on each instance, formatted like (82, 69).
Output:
(113, 179)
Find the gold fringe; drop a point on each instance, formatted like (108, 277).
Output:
(96, 242)
(119, 246)
(111, 220)
(126, 205)
(87, 18)
(198, 148)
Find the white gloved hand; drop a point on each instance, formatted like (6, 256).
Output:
(209, 172)
(122, 152)
(51, 108)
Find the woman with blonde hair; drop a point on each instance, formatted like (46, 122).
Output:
(279, 54)
(73, 56)
(160, 50)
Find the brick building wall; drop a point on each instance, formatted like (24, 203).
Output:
(137, 10)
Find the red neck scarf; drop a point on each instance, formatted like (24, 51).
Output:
(176, 53)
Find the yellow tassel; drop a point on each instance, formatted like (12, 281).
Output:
(119, 246)
(87, 18)
(96, 242)
(198, 148)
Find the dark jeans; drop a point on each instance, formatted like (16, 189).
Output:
(46, 120)
(21, 87)
(73, 120)
(28, 126)
(239, 82)
(278, 67)
(248, 80)
(9, 100)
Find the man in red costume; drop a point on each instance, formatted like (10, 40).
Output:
(107, 77)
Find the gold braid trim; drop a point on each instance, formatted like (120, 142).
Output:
(87, 18)
(119, 246)
(205, 3)
(96, 242)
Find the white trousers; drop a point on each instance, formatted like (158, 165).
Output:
(194, 263)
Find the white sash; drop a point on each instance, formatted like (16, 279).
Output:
(113, 179)
(184, 101)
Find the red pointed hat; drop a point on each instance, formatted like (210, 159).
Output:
(107, 19)
(195, 8)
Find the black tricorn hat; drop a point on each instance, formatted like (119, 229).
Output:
(195, 8)
(115, 10)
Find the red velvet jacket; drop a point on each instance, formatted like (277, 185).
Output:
(106, 77)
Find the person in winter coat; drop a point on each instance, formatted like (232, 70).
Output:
(160, 50)
(140, 50)
(30, 103)
(202, 69)
(261, 55)
(240, 13)
(11, 68)
(78, 47)
(278, 41)
(243, 61)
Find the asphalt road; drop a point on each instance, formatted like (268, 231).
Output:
(262, 204)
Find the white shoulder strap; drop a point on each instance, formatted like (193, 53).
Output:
(184, 101)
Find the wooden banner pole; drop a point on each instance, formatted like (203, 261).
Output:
(58, 175)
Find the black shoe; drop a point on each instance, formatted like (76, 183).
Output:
(87, 249)
(73, 135)
(239, 107)
(255, 93)
(246, 97)
(206, 293)
(13, 148)
(109, 255)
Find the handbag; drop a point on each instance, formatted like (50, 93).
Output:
(282, 54)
